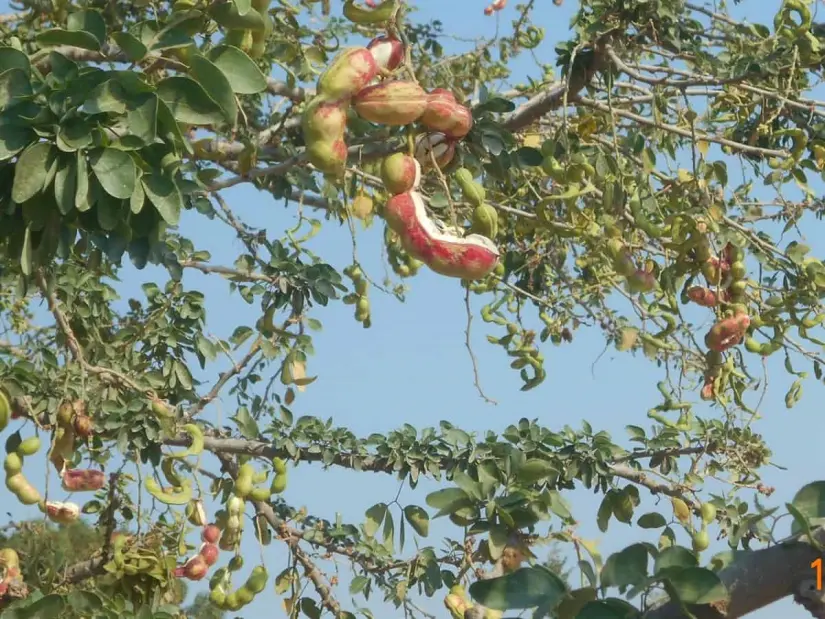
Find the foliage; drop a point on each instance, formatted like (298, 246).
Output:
(607, 198)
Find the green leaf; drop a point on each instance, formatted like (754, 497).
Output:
(497, 105)
(530, 157)
(14, 86)
(674, 557)
(608, 609)
(527, 587)
(358, 584)
(105, 98)
(47, 607)
(389, 532)
(651, 520)
(188, 101)
(131, 46)
(241, 71)
(796, 251)
(164, 194)
(74, 134)
(83, 196)
(90, 22)
(217, 85)
(447, 498)
(810, 500)
(626, 568)
(115, 171)
(375, 516)
(142, 117)
(534, 470)
(697, 585)
(418, 518)
(31, 171)
(246, 423)
(11, 58)
(57, 36)
(65, 186)
(13, 139)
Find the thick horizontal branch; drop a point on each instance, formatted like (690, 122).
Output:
(754, 580)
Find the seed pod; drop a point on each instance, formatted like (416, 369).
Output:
(260, 494)
(62, 513)
(176, 496)
(196, 513)
(700, 540)
(83, 426)
(702, 296)
(83, 480)
(348, 73)
(261, 37)
(256, 582)
(195, 568)
(462, 122)
(13, 464)
(400, 173)
(5, 410)
(280, 480)
(708, 512)
(387, 51)
(210, 553)
(434, 144)
(235, 506)
(65, 413)
(393, 102)
(473, 192)
(438, 114)
(470, 257)
(727, 332)
(641, 281)
(680, 509)
(29, 447)
(329, 157)
(485, 221)
(211, 534)
(242, 39)
(324, 120)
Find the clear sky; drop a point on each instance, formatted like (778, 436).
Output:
(412, 365)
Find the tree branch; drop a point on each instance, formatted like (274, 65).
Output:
(754, 580)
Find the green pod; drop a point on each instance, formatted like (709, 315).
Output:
(260, 38)
(181, 495)
(29, 447)
(485, 221)
(379, 14)
(196, 446)
(473, 192)
(257, 579)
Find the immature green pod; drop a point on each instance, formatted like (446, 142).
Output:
(375, 15)
(485, 221)
(29, 446)
(5, 410)
(473, 192)
(178, 496)
(196, 446)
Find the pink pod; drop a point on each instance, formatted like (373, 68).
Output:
(62, 513)
(83, 480)
(387, 51)
(392, 102)
(470, 257)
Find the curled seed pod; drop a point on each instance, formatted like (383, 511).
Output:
(210, 553)
(485, 221)
(62, 513)
(438, 114)
(5, 410)
(195, 568)
(196, 513)
(473, 192)
(434, 145)
(387, 51)
(471, 257)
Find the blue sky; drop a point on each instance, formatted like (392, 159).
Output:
(412, 365)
